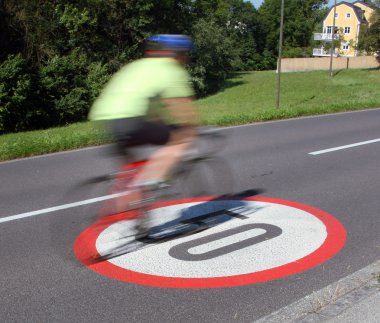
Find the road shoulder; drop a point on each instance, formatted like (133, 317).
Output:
(346, 300)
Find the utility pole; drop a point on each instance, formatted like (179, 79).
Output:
(332, 42)
(280, 56)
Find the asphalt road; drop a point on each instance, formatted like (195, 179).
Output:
(41, 280)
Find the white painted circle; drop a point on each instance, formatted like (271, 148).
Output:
(249, 240)
(302, 233)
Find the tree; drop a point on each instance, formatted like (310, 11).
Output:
(240, 24)
(300, 17)
(370, 40)
(213, 58)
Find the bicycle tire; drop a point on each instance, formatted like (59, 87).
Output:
(60, 232)
(210, 140)
(205, 177)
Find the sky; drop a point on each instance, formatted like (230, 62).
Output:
(257, 3)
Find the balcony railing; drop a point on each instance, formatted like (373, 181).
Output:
(325, 37)
(323, 52)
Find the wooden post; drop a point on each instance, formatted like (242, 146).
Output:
(280, 56)
(332, 42)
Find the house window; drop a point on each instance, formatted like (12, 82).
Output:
(348, 15)
(346, 46)
(347, 30)
(329, 30)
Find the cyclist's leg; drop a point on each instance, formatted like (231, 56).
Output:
(160, 164)
(126, 133)
(138, 131)
(162, 161)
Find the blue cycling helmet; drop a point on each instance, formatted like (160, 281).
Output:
(169, 42)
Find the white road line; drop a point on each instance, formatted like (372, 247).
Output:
(60, 207)
(344, 147)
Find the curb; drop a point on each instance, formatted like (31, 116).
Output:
(330, 301)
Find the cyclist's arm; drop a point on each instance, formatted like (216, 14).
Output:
(183, 110)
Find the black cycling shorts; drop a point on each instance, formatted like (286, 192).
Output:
(137, 131)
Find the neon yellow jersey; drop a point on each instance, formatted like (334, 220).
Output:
(130, 91)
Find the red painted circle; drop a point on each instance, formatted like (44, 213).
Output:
(84, 247)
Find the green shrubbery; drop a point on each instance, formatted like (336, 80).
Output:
(69, 85)
(15, 93)
(215, 56)
(59, 93)
(297, 52)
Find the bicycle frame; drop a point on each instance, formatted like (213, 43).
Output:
(129, 170)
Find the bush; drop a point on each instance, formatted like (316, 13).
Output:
(295, 52)
(73, 106)
(69, 85)
(98, 75)
(268, 61)
(250, 57)
(15, 89)
(215, 56)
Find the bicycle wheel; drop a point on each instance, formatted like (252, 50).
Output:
(90, 195)
(206, 177)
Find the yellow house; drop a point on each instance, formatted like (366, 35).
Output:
(350, 20)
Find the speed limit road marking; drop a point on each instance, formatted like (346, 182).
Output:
(237, 242)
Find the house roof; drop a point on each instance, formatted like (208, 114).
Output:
(365, 4)
(358, 12)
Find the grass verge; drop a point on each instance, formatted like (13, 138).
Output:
(248, 97)
(251, 96)
(33, 143)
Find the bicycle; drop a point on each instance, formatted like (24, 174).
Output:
(196, 175)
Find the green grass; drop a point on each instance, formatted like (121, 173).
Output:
(254, 96)
(248, 97)
(33, 143)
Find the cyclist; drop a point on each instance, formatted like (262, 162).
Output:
(142, 99)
